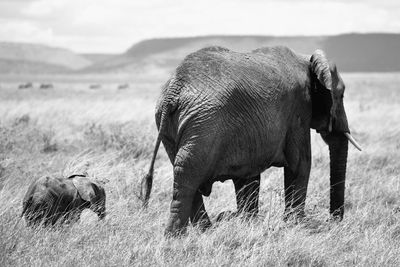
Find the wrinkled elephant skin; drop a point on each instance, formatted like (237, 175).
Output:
(228, 115)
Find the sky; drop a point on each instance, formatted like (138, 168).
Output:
(112, 26)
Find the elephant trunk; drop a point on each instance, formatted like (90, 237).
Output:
(338, 146)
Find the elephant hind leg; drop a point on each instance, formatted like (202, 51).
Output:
(247, 194)
(184, 192)
(198, 215)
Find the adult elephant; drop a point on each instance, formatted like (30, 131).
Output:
(49, 200)
(228, 115)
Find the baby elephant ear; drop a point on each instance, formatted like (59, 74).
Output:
(85, 188)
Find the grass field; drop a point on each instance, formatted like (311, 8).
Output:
(110, 134)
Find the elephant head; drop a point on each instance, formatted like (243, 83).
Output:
(91, 193)
(330, 120)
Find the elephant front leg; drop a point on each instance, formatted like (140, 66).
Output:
(296, 183)
(199, 216)
(247, 194)
(296, 175)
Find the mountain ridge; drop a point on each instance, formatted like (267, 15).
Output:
(22, 57)
(352, 52)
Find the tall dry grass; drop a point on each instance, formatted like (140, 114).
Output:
(110, 134)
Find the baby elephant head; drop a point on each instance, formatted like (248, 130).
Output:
(50, 200)
(91, 193)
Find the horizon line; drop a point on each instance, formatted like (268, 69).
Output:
(200, 36)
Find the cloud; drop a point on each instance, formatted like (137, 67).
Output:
(25, 31)
(112, 26)
(44, 7)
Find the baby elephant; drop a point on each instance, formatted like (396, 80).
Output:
(50, 200)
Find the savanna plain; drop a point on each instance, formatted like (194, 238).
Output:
(110, 134)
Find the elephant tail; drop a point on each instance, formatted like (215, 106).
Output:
(147, 180)
(169, 105)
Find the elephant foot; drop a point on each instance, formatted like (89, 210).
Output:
(176, 227)
(337, 215)
(176, 232)
(173, 232)
(335, 218)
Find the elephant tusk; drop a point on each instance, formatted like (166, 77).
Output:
(352, 141)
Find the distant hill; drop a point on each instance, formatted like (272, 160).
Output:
(36, 58)
(167, 53)
(158, 57)
(351, 52)
(96, 57)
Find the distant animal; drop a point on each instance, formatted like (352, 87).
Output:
(50, 200)
(95, 86)
(228, 115)
(46, 86)
(25, 85)
(123, 86)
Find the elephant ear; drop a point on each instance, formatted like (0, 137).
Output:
(85, 188)
(322, 70)
(320, 66)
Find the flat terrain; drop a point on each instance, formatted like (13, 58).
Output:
(110, 134)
